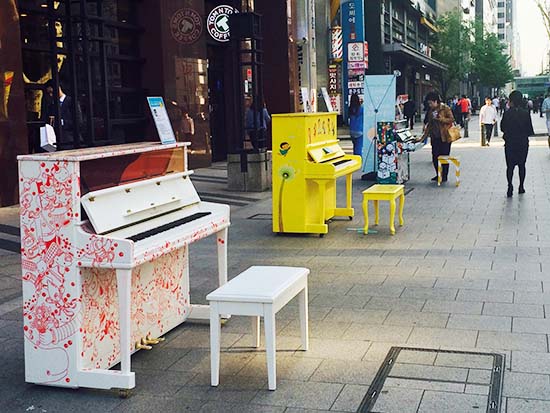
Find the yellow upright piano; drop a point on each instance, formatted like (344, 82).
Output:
(307, 160)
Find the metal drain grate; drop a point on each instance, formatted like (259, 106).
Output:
(261, 217)
(433, 379)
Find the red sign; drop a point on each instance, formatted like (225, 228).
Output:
(366, 55)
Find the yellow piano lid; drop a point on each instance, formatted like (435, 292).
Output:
(323, 153)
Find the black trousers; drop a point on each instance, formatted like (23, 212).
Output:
(488, 131)
(440, 148)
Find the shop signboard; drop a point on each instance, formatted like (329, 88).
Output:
(353, 29)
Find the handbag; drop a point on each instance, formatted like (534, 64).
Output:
(454, 133)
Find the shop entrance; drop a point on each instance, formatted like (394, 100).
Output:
(217, 101)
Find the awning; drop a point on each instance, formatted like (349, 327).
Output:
(407, 51)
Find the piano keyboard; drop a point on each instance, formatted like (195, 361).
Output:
(166, 227)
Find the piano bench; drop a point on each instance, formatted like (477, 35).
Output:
(378, 193)
(258, 292)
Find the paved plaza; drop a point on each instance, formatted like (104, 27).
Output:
(469, 271)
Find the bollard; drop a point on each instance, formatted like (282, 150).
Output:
(495, 128)
(483, 140)
(466, 122)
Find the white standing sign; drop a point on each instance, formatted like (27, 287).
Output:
(162, 121)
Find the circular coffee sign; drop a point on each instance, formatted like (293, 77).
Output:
(217, 22)
(186, 26)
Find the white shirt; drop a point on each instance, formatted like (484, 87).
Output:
(495, 102)
(487, 115)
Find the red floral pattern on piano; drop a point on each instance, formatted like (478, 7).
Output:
(51, 308)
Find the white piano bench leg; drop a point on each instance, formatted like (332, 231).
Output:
(215, 333)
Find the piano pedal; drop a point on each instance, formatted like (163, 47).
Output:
(142, 346)
(150, 340)
(321, 235)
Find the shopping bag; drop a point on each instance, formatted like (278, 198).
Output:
(47, 138)
(454, 133)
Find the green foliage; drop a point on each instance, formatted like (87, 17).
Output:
(452, 48)
(490, 64)
(471, 53)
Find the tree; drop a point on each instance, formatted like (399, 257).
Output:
(452, 48)
(544, 7)
(490, 64)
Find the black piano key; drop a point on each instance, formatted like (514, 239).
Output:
(340, 162)
(166, 227)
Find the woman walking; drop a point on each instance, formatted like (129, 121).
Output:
(438, 120)
(517, 126)
(355, 114)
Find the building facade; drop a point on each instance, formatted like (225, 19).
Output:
(486, 12)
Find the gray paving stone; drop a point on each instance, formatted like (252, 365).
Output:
(530, 362)
(377, 333)
(376, 291)
(309, 395)
(225, 407)
(470, 284)
(339, 301)
(425, 385)
(477, 389)
(339, 315)
(395, 399)
(350, 398)
(479, 322)
(477, 376)
(289, 368)
(416, 357)
(473, 361)
(397, 304)
(509, 285)
(514, 310)
(452, 402)
(335, 349)
(379, 350)
(531, 325)
(485, 296)
(454, 307)
(319, 329)
(419, 371)
(400, 318)
(522, 297)
(430, 293)
(428, 337)
(422, 282)
(527, 406)
(346, 371)
(531, 386)
(512, 341)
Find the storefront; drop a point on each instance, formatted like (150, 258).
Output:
(108, 55)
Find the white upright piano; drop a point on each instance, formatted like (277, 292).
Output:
(105, 264)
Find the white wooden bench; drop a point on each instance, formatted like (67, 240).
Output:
(258, 292)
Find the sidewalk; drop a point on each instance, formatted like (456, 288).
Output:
(469, 271)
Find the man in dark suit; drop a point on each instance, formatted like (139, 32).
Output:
(66, 109)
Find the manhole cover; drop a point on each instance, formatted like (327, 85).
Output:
(426, 380)
(262, 217)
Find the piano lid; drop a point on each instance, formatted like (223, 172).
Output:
(121, 206)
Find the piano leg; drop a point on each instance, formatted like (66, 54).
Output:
(221, 238)
(348, 191)
(348, 211)
(124, 285)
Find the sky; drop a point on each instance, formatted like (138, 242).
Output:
(533, 38)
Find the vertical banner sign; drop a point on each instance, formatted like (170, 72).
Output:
(353, 29)
(379, 106)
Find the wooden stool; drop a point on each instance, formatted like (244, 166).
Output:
(384, 193)
(258, 292)
(447, 160)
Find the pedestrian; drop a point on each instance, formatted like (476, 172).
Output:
(487, 120)
(546, 109)
(438, 120)
(501, 106)
(355, 115)
(464, 108)
(187, 126)
(540, 100)
(517, 126)
(409, 110)
(256, 120)
(529, 105)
